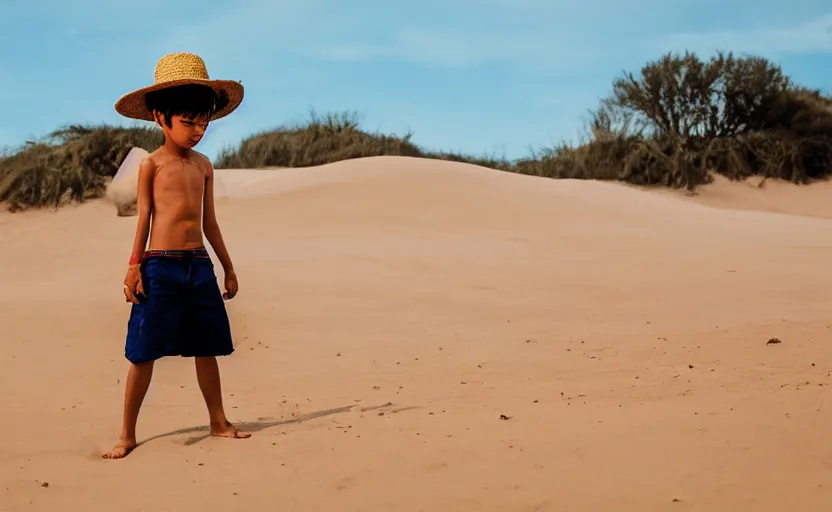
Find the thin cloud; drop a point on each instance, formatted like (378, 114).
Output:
(811, 37)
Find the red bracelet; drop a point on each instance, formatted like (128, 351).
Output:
(135, 260)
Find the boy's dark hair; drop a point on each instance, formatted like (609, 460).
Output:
(189, 101)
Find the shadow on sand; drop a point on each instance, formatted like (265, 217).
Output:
(257, 426)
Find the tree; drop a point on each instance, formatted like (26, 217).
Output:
(682, 97)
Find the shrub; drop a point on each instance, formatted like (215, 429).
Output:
(684, 118)
(70, 164)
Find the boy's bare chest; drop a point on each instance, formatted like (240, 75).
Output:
(180, 179)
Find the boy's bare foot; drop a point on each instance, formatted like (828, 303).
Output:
(229, 430)
(121, 449)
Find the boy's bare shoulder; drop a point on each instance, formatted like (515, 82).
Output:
(203, 162)
(150, 163)
(199, 157)
(157, 158)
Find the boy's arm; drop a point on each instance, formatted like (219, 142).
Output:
(144, 203)
(210, 226)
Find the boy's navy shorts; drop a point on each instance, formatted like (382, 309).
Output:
(182, 312)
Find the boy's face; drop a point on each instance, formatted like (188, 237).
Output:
(183, 131)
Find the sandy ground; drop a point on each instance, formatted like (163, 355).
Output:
(420, 335)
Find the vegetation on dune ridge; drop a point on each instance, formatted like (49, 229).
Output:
(71, 164)
(684, 118)
(330, 138)
(677, 122)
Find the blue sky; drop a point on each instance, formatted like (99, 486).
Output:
(480, 76)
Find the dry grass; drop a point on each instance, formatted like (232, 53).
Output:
(330, 138)
(71, 164)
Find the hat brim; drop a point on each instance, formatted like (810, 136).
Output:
(134, 106)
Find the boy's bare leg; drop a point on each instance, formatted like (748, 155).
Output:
(208, 376)
(138, 381)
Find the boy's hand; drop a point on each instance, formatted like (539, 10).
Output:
(231, 285)
(133, 284)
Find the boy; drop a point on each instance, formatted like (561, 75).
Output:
(178, 308)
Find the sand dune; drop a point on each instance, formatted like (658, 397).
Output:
(421, 335)
(764, 195)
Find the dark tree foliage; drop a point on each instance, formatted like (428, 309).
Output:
(683, 118)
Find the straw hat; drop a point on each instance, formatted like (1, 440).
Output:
(180, 69)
